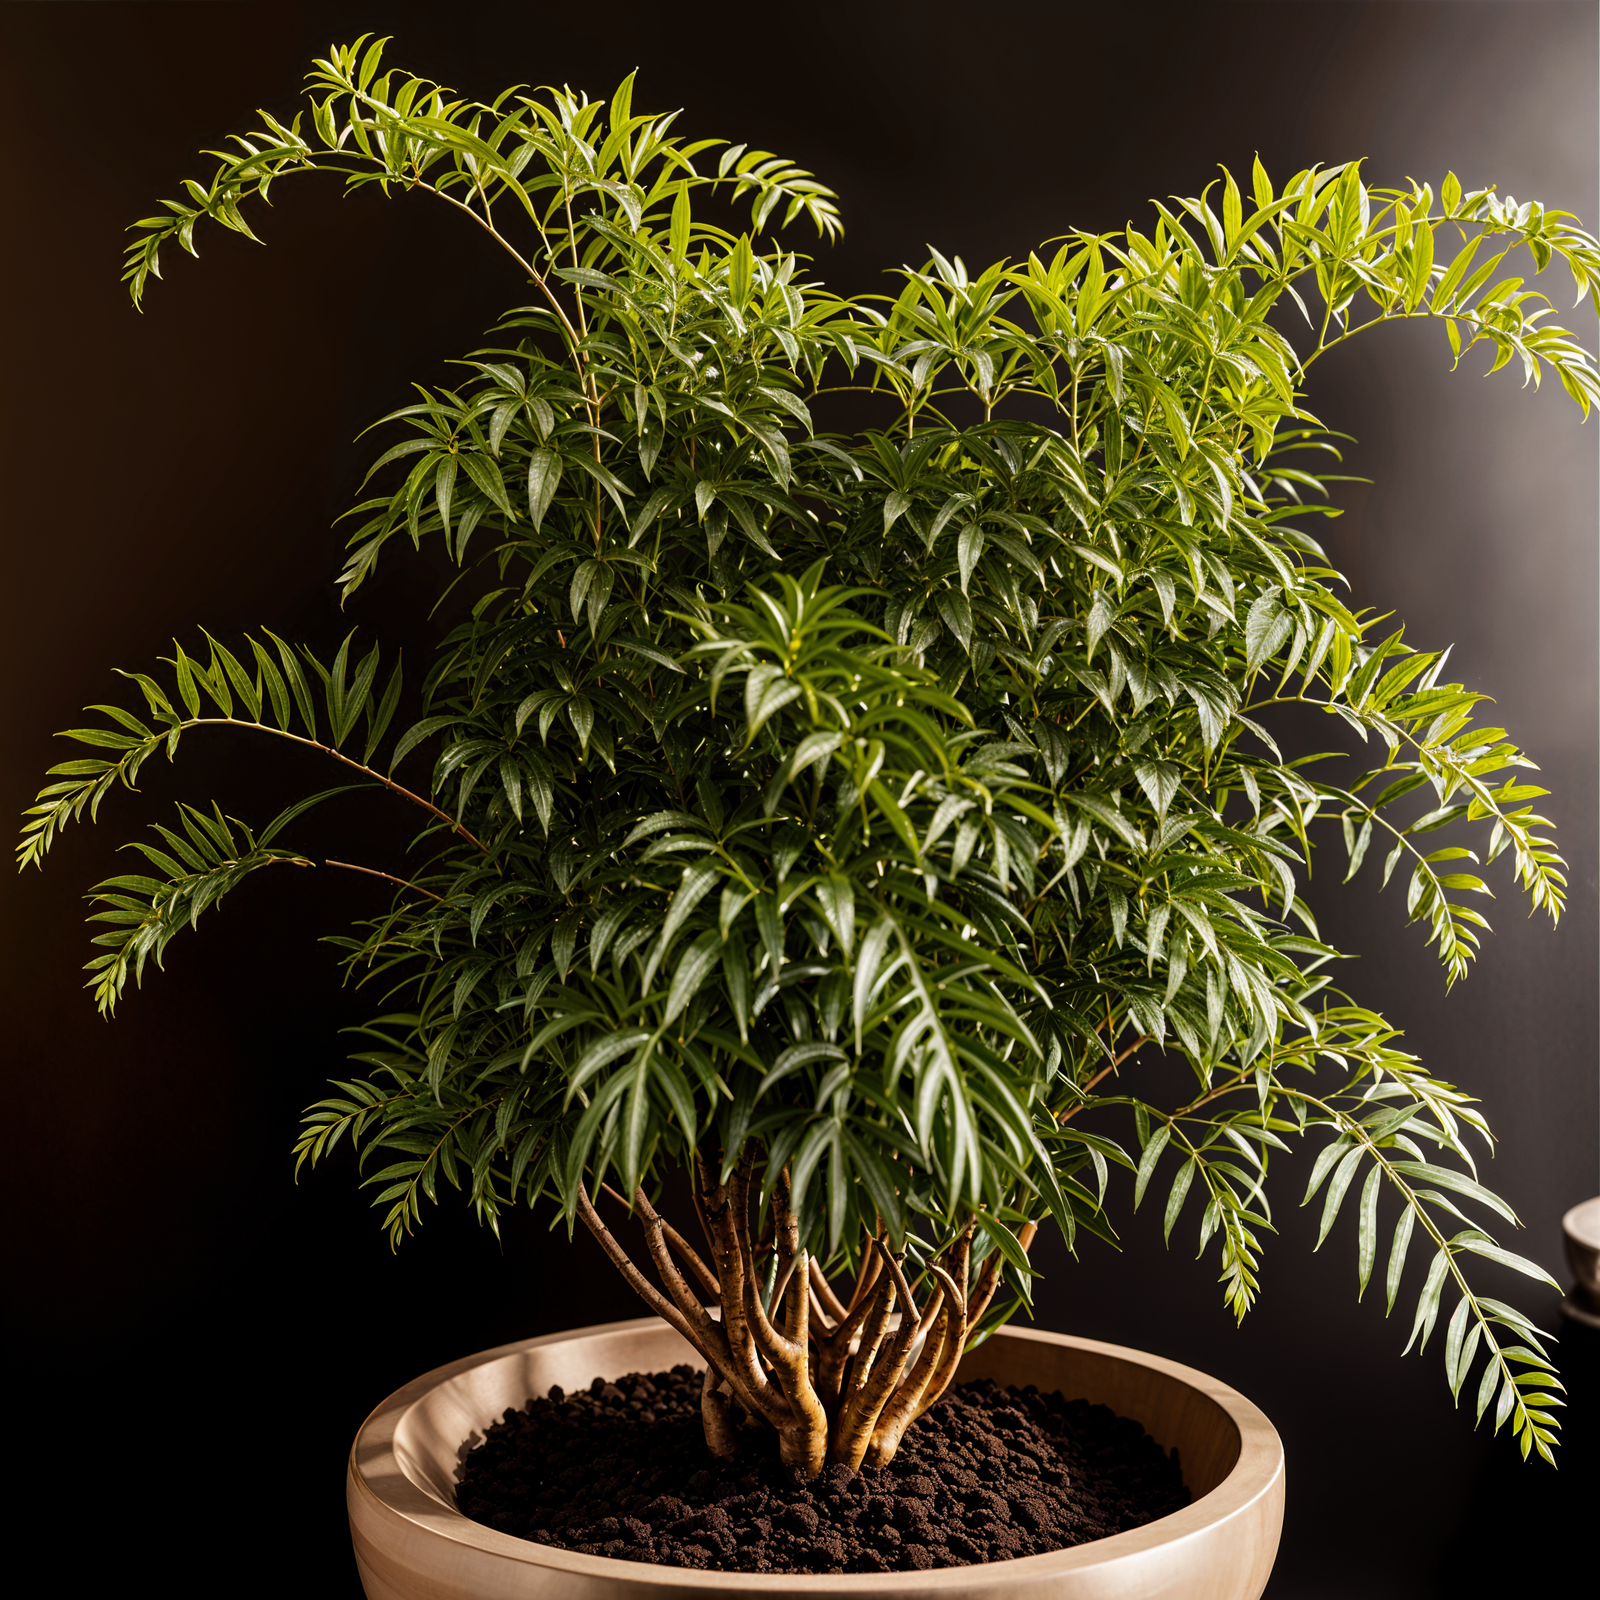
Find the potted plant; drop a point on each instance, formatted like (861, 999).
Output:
(841, 818)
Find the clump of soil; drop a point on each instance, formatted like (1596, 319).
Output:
(988, 1474)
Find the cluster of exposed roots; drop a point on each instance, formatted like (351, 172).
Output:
(835, 1379)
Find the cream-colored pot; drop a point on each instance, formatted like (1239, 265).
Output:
(412, 1544)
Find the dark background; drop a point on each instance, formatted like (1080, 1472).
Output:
(201, 1337)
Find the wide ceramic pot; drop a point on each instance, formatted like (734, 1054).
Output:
(412, 1544)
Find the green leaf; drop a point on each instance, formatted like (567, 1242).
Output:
(1506, 1258)
(444, 480)
(1343, 1174)
(868, 961)
(1446, 1179)
(1457, 1352)
(1175, 1199)
(187, 691)
(736, 974)
(697, 882)
(836, 896)
(770, 923)
(544, 477)
(294, 674)
(694, 967)
(486, 476)
(794, 1058)
(969, 547)
(956, 609)
(681, 218)
(1428, 1300)
(1266, 627)
(1367, 1231)
(1147, 1161)
(1397, 1255)
(1421, 267)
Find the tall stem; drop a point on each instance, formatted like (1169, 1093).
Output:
(941, 1352)
(641, 1285)
(781, 1362)
(728, 1247)
(870, 1390)
(338, 755)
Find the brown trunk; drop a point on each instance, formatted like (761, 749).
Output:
(716, 1415)
(803, 1435)
(730, 1242)
(785, 1356)
(867, 1276)
(804, 1447)
(943, 1343)
(834, 1352)
(870, 1392)
(826, 1298)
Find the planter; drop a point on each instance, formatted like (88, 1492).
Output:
(412, 1544)
(1580, 1229)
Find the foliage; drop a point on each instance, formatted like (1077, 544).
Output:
(854, 806)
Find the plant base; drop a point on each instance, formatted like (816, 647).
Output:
(411, 1542)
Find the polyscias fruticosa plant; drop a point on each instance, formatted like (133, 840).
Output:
(832, 817)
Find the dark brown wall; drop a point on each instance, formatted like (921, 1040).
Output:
(184, 468)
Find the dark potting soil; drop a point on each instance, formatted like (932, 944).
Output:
(988, 1474)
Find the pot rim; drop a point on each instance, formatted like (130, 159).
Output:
(379, 1474)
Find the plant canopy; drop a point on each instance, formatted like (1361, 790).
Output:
(833, 816)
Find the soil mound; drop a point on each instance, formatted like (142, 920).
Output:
(989, 1474)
